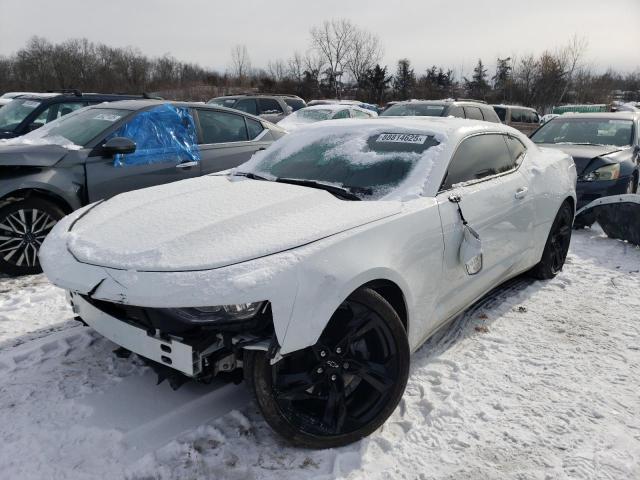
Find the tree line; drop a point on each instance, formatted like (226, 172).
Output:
(343, 61)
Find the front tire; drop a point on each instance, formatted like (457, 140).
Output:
(345, 386)
(557, 246)
(23, 226)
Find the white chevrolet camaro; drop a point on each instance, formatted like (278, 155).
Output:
(315, 268)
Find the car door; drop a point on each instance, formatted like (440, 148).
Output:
(494, 200)
(228, 139)
(271, 110)
(166, 151)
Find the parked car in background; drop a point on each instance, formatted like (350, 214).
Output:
(30, 111)
(524, 119)
(100, 151)
(317, 113)
(332, 101)
(321, 264)
(7, 97)
(442, 108)
(604, 146)
(270, 107)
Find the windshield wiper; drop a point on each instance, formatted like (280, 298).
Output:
(337, 191)
(250, 175)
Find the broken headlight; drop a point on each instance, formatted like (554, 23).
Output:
(219, 313)
(608, 172)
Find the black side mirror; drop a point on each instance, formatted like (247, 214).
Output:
(120, 145)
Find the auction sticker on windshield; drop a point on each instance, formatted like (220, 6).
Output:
(402, 138)
(109, 117)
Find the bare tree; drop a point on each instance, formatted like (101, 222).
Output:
(240, 62)
(296, 67)
(365, 52)
(333, 41)
(277, 70)
(570, 58)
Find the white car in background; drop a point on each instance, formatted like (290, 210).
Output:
(317, 113)
(319, 265)
(7, 97)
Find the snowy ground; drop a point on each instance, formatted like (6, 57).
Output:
(540, 380)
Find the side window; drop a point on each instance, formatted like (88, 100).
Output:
(342, 114)
(478, 157)
(163, 134)
(517, 115)
(532, 117)
(254, 128)
(516, 149)
(456, 111)
(473, 113)
(295, 103)
(247, 105)
(221, 127)
(501, 112)
(269, 106)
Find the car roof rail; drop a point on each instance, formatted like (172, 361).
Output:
(74, 91)
(469, 100)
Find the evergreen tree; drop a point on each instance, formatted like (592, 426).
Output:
(478, 86)
(375, 83)
(502, 78)
(405, 80)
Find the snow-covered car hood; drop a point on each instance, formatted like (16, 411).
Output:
(211, 222)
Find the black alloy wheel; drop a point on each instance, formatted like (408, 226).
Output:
(342, 388)
(557, 246)
(23, 227)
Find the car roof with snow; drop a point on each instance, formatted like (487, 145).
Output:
(604, 115)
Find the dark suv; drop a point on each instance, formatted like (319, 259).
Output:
(28, 112)
(471, 109)
(271, 107)
(100, 151)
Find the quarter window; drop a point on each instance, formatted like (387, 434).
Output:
(478, 157)
(221, 127)
(254, 128)
(359, 114)
(516, 149)
(269, 106)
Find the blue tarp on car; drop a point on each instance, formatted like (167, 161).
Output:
(162, 134)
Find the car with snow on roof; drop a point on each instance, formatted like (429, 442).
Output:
(318, 113)
(318, 266)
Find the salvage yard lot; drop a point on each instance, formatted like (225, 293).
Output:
(539, 380)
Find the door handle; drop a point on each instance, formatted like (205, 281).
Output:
(187, 164)
(521, 192)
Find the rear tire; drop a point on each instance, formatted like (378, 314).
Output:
(557, 246)
(23, 226)
(344, 387)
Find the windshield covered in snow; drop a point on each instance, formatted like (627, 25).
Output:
(586, 131)
(413, 109)
(14, 113)
(369, 164)
(77, 129)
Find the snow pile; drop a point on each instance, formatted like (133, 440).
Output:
(539, 380)
(31, 139)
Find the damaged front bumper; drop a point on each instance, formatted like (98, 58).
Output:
(198, 352)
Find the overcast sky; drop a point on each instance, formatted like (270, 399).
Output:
(452, 33)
